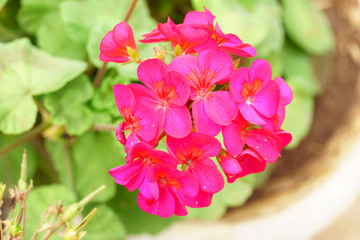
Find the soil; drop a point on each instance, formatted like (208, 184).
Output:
(338, 74)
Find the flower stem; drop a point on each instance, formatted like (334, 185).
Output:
(106, 127)
(69, 176)
(101, 73)
(24, 138)
(49, 234)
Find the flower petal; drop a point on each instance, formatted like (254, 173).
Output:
(124, 98)
(124, 173)
(209, 177)
(202, 122)
(237, 81)
(285, 91)
(251, 115)
(266, 101)
(232, 139)
(164, 206)
(260, 69)
(230, 165)
(215, 64)
(250, 163)
(152, 71)
(202, 199)
(220, 108)
(177, 121)
(181, 87)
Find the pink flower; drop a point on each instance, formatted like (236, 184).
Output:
(139, 160)
(246, 163)
(165, 183)
(167, 95)
(210, 109)
(239, 133)
(256, 95)
(113, 47)
(193, 153)
(187, 36)
(139, 119)
(205, 18)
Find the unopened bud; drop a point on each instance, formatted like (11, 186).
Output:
(70, 212)
(15, 230)
(178, 50)
(133, 54)
(22, 185)
(75, 232)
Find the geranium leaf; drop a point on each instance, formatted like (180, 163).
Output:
(27, 71)
(67, 108)
(307, 26)
(94, 154)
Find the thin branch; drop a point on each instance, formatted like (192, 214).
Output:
(49, 234)
(106, 127)
(24, 138)
(101, 73)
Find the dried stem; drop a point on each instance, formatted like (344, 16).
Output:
(49, 234)
(24, 138)
(101, 73)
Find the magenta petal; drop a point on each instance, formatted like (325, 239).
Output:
(250, 163)
(185, 64)
(191, 35)
(164, 157)
(181, 87)
(123, 35)
(177, 121)
(124, 173)
(189, 185)
(251, 115)
(117, 59)
(152, 71)
(216, 65)
(180, 208)
(260, 69)
(220, 108)
(202, 122)
(237, 81)
(120, 135)
(164, 206)
(131, 140)
(143, 95)
(230, 165)
(267, 144)
(137, 180)
(208, 175)
(124, 98)
(149, 122)
(209, 146)
(285, 91)
(285, 137)
(139, 150)
(144, 189)
(266, 100)
(232, 139)
(206, 18)
(202, 199)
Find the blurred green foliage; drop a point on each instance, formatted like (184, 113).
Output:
(49, 57)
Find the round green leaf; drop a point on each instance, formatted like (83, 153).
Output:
(307, 26)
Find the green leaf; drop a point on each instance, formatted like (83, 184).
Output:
(104, 97)
(297, 65)
(25, 72)
(105, 224)
(307, 26)
(40, 198)
(2, 3)
(32, 12)
(108, 12)
(93, 155)
(10, 163)
(67, 108)
(53, 38)
(300, 113)
(135, 220)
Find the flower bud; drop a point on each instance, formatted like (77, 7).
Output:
(15, 230)
(159, 54)
(22, 185)
(70, 212)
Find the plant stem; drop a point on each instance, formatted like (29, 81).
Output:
(106, 127)
(101, 73)
(49, 234)
(24, 138)
(69, 176)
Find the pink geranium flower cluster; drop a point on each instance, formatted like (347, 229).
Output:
(200, 94)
